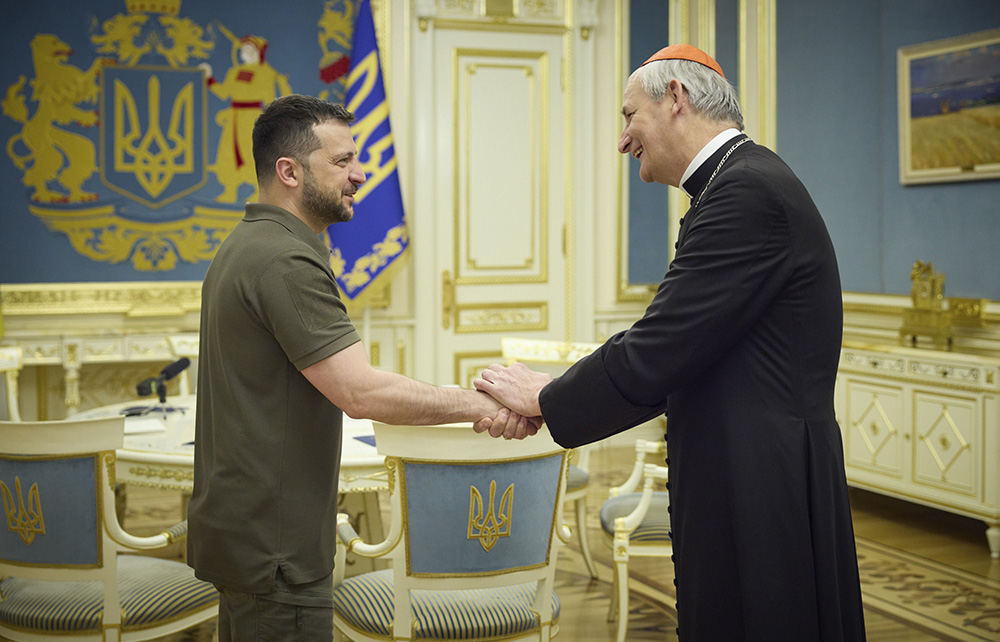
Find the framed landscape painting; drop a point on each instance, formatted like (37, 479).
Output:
(949, 109)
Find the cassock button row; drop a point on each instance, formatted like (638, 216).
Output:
(682, 220)
(670, 534)
(677, 245)
(667, 461)
(670, 510)
(673, 558)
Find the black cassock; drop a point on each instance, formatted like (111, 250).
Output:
(740, 347)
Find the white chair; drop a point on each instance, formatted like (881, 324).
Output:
(636, 523)
(554, 357)
(65, 574)
(10, 369)
(473, 539)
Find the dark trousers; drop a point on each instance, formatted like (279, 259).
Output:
(298, 612)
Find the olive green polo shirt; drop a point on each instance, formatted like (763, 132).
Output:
(267, 445)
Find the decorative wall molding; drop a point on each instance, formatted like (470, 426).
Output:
(132, 299)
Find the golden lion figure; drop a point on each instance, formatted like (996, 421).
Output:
(54, 154)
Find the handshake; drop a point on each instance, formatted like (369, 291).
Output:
(515, 389)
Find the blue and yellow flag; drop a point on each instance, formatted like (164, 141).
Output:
(368, 249)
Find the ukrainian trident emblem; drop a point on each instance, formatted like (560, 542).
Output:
(153, 133)
(490, 527)
(26, 521)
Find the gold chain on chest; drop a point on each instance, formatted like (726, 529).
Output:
(718, 167)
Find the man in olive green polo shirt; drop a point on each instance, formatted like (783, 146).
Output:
(279, 363)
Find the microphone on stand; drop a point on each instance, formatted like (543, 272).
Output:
(159, 383)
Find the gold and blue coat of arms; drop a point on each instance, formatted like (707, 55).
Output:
(127, 126)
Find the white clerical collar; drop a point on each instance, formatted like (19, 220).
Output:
(706, 151)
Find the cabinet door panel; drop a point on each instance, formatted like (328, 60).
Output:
(875, 428)
(947, 442)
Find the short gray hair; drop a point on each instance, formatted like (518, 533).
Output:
(709, 93)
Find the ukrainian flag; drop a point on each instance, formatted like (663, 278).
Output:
(367, 250)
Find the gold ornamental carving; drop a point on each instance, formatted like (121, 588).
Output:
(162, 473)
(501, 317)
(26, 521)
(487, 522)
(131, 299)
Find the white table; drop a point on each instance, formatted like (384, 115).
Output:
(159, 448)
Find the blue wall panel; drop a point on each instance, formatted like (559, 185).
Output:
(838, 129)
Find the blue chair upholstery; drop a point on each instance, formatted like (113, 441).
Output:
(655, 525)
(472, 540)
(365, 602)
(150, 591)
(636, 523)
(63, 556)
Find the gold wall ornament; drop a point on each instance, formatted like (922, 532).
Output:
(57, 162)
(153, 156)
(153, 137)
(501, 317)
(489, 528)
(132, 299)
(99, 234)
(249, 84)
(25, 521)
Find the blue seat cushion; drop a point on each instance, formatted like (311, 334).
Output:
(151, 591)
(576, 478)
(655, 526)
(365, 602)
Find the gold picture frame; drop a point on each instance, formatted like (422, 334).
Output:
(949, 109)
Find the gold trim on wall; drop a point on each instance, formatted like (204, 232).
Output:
(757, 60)
(571, 176)
(487, 357)
(501, 317)
(624, 291)
(538, 142)
(133, 299)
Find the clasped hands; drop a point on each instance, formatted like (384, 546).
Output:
(516, 387)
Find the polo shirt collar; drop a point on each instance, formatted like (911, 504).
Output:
(292, 223)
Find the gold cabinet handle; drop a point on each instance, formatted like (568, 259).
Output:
(447, 299)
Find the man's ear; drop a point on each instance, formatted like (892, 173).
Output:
(288, 171)
(677, 92)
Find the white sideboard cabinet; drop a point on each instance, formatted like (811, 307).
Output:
(924, 426)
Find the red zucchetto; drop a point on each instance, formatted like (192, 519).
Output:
(686, 52)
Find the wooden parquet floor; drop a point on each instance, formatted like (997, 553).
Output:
(924, 567)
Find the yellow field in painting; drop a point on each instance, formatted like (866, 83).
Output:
(961, 139)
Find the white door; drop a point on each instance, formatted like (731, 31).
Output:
(499, 171)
